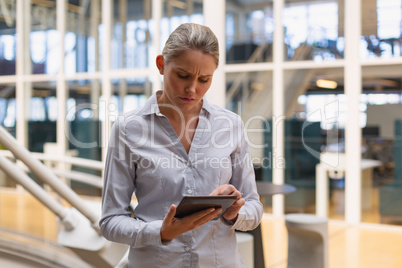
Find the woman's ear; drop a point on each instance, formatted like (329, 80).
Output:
(159, 63)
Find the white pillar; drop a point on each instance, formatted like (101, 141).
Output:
(156, 42)
(23, 67)
(94, 33)
(107, 11)
(214, 18)
(278, 126)
(353, 88)
(61, 92)
(123, 82)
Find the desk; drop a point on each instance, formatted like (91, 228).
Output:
(322, 183)
(393, 42)
(265, 188)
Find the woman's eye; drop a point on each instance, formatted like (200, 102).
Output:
(204, 80)
(183, 76)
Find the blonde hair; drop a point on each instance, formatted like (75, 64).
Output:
(191, 36)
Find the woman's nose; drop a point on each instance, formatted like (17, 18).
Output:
(191, 86)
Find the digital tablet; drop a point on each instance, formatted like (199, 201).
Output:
(191, 204)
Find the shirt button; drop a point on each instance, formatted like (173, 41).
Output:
(189, 191)
(188, 163)
(188, 249)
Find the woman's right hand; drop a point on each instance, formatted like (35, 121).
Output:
(173, 227)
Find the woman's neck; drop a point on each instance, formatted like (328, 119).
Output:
(174, 113)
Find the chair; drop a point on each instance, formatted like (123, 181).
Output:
(307, 241)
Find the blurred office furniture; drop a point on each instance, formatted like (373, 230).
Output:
(300, 137)
(264, 189)
(333, 165)
(245, 243)
(395, 44)
(391, 194)
(373, 45)
(381, 149)
(307, 240)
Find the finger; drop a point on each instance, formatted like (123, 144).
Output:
(216, 191)
(200, 214)
(165, 232)
(226, 189)
(238, 194)
(208, 217)
(210, 212)
(239, 203)
(171, 212)
(234, 209)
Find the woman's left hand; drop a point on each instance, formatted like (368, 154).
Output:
(228, 189)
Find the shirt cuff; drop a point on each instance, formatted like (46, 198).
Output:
(166, 242)
(227, 222)
(152, 233)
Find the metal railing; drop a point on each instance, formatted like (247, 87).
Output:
(83, 177)
(81, 229)
(41, 171)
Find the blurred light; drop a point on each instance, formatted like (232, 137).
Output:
(326, 83)
(257, 86)
(302, 99)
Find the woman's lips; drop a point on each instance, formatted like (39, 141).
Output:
(187, 99)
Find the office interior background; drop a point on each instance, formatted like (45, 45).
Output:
(307, 76)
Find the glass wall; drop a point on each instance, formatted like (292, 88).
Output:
(131, 34)
(382, 31)
(314, 40)
(8, 43)
(82, 38)
(42, 118)
(8, 111)
(249, 31)
(175, 13)
(44, 39)
(382, 104)
(249, 94)
(312, 30)
(83, 110)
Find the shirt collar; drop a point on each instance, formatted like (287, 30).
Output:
(151, 106)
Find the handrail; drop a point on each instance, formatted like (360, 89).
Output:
(21, 178)
(43, 173)
(76, 161)
(83, 177)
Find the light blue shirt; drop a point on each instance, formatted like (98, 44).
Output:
(146, 158)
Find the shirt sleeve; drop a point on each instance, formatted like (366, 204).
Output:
(243, 178)
(116, 223)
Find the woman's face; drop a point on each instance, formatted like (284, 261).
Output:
(186, 79)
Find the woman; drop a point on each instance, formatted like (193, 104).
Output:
(179, 144)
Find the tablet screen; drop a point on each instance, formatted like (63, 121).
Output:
(191, 204)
